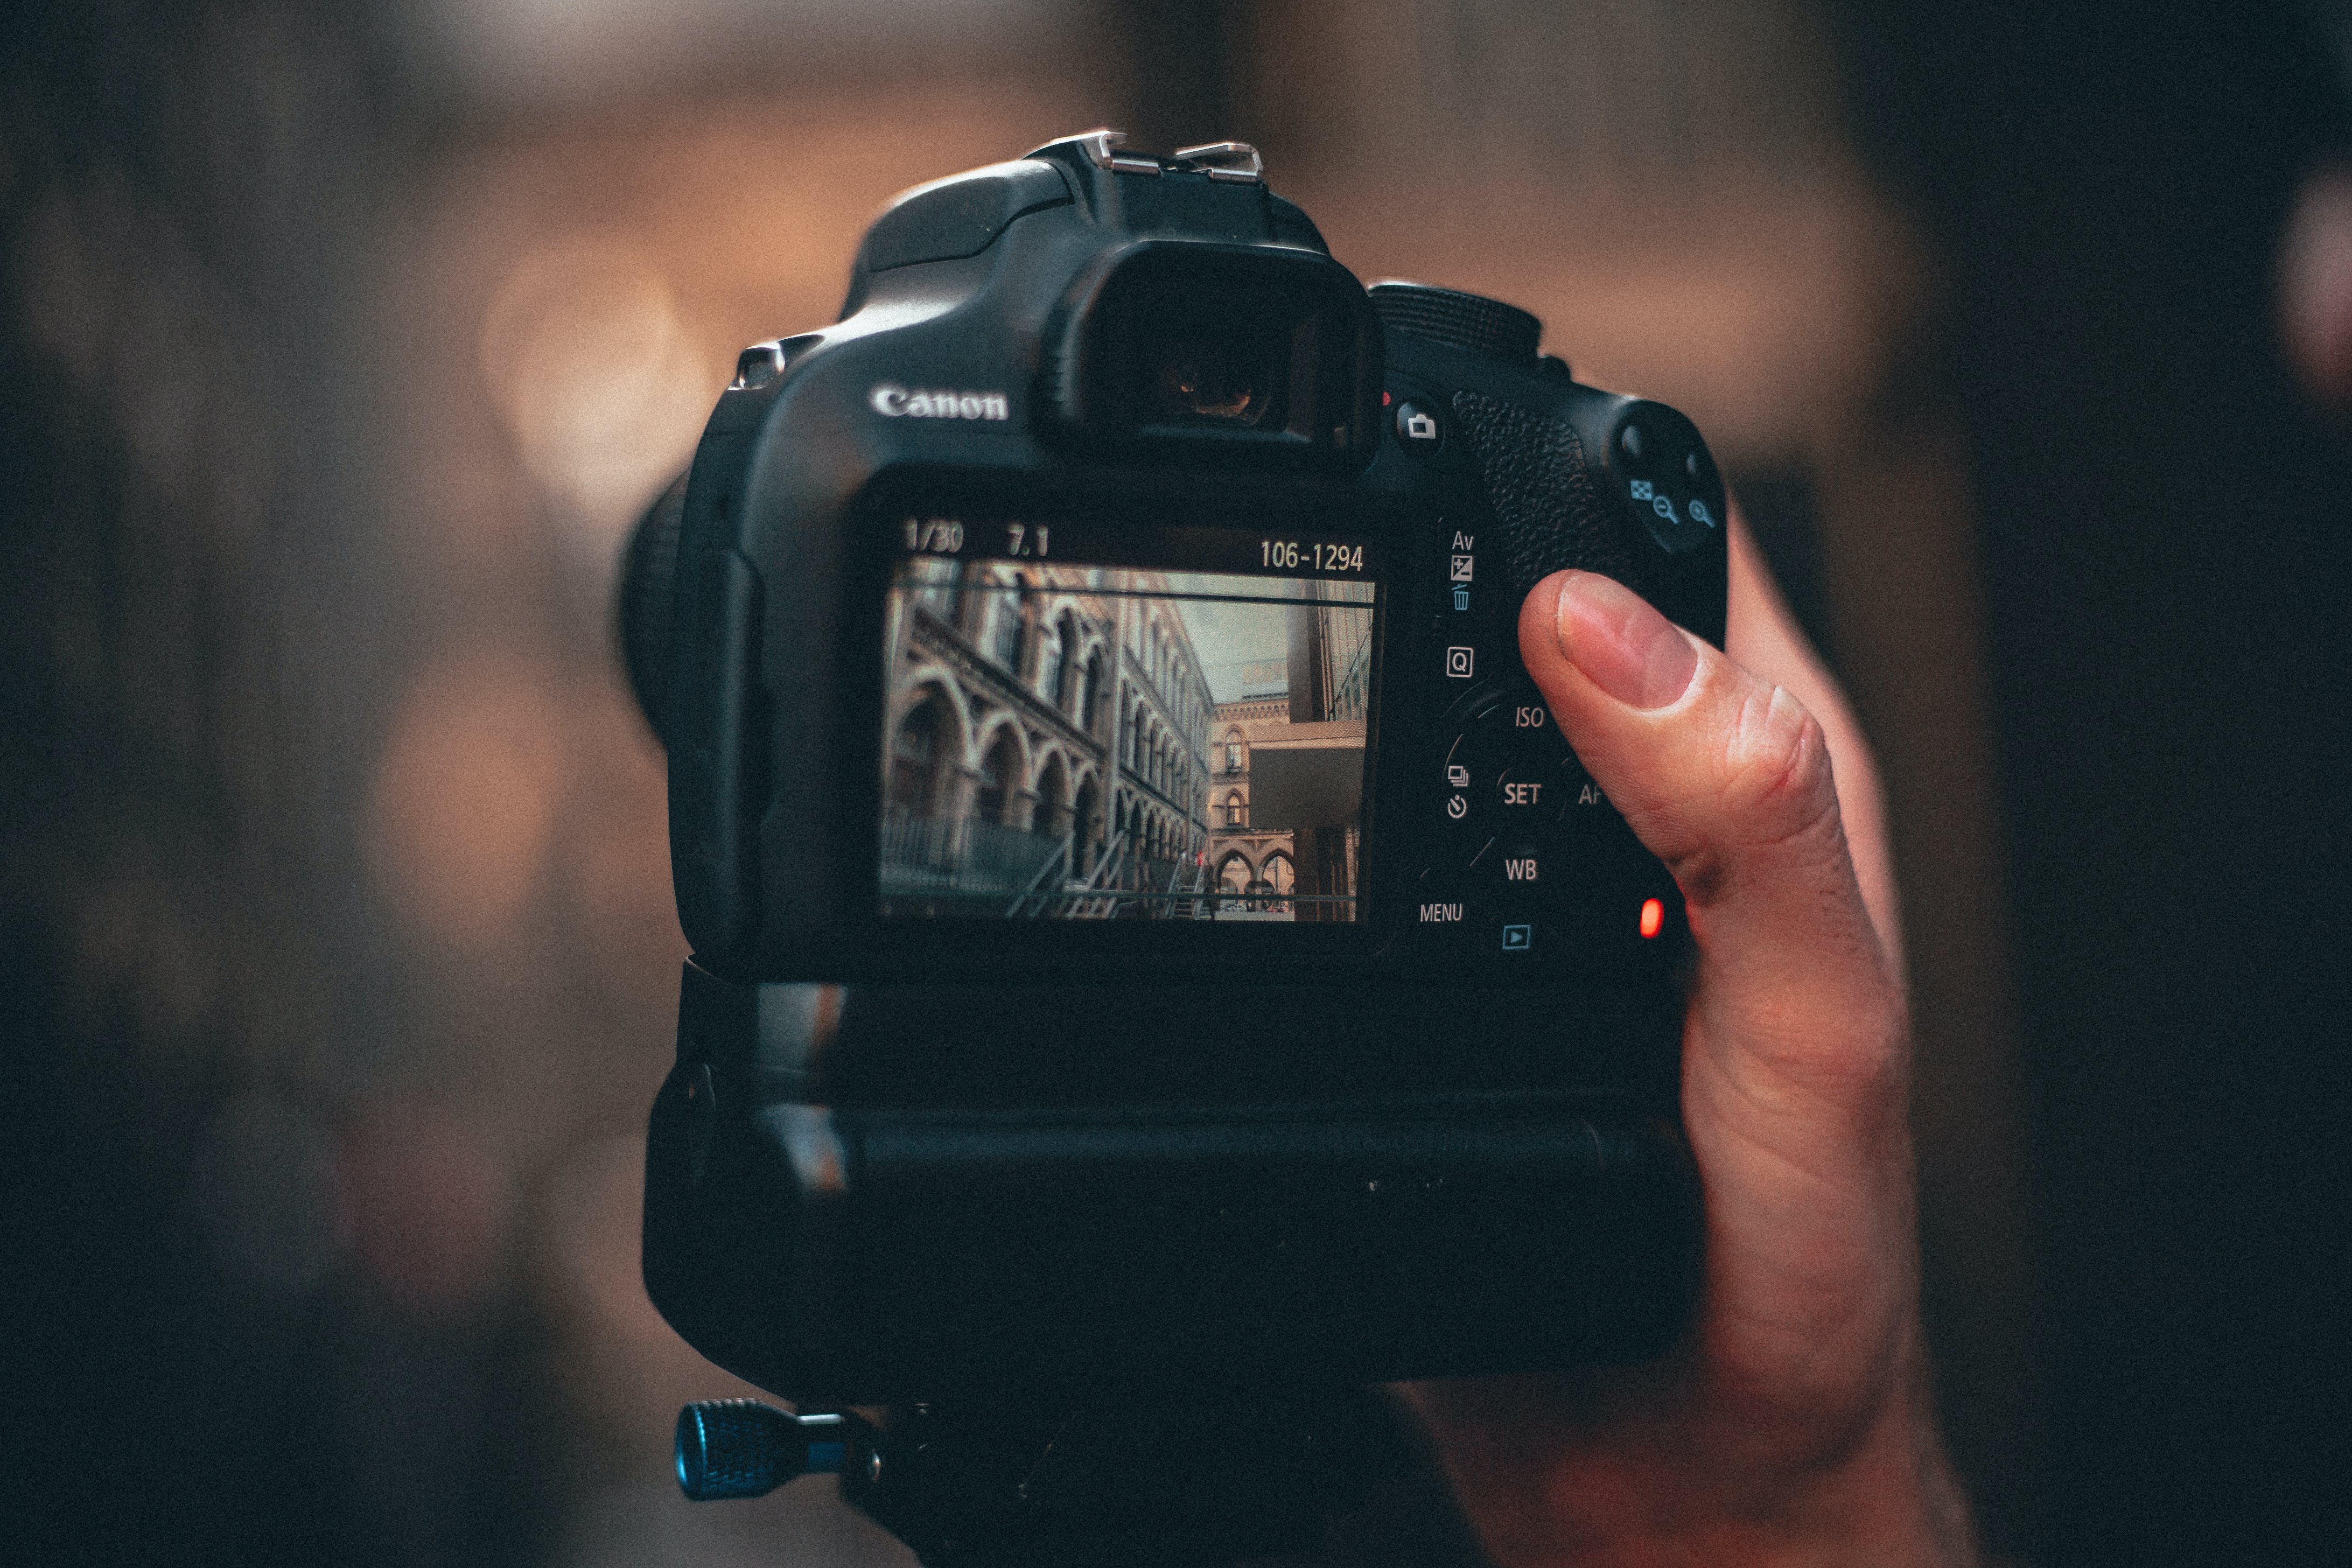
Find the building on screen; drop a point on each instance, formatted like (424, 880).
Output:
(1251, 867)
(1287, 748)
(1046, 744)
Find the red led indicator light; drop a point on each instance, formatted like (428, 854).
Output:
(1386, 398)
(1654, 916)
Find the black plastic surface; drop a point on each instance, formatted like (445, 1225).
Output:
(960, 216)
(1538, 479)
(862, 1254)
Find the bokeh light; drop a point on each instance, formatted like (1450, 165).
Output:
(465, 795)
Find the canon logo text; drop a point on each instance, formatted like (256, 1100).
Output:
(896, 401)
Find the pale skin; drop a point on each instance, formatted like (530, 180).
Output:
(1793, 1425)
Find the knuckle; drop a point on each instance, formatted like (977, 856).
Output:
(1777, 783)
(1772, 790)
(1876, 1063)
(1866, 1067)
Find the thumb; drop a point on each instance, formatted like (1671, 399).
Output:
(1727, 781)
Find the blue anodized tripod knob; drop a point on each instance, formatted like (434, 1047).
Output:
(742, 1448)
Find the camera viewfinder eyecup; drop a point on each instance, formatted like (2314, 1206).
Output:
(1267, 355)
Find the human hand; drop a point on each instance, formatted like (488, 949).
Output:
(1794, 1423)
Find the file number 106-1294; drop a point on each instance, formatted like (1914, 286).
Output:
(1290, 555)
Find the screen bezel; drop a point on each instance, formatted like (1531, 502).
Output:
(1015, 947)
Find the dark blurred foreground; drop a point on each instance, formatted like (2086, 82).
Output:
(338, 345)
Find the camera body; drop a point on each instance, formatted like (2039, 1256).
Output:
(1145, 924)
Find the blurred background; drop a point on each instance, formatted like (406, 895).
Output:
(339, 344)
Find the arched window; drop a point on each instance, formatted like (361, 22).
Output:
(1000, 777)
(916, 753)
(1005, 628)
(1233, 751)
(1085, 830)
(1092, 692)
(1275, 880)
(1050, 660)
(1053, 819)
(1237, 810)
(938, 592)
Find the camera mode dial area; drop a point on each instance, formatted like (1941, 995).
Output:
(1460, 319)
(1526, 853)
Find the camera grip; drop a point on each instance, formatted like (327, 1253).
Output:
(1550, 513)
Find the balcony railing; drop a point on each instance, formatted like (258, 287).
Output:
(938, 855)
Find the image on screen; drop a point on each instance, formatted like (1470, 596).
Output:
(1096, 743)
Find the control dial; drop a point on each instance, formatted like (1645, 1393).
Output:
(1464, 320)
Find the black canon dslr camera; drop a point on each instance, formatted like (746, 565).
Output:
(1149, 933)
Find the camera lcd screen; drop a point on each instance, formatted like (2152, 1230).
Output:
(1088, 724)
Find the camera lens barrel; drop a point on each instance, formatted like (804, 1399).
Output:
(645, 601)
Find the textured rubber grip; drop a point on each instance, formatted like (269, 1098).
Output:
(1550, 512)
